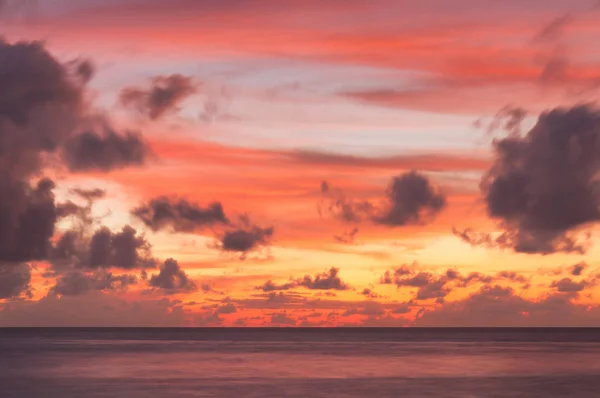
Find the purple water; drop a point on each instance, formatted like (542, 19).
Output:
(329, 363)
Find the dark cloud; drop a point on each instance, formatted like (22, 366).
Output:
(329, 280)
(105, 150)
(172, 279)
(179, 214)
(163, 96)
(270, 286)
(412, 199)
(282, 319)
(123, 249)
(95, 309)
(343, 208)
(245, 240)
(369, 308)
(77, 283)
(228, 308)
(567, 285)
(409, 199)
(542, 186)
(438, 286)
(27, 218)
(496, 306)
(14, 280)
(578, 268)
(102, 249)
(370, 293)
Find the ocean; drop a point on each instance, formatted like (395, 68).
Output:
(345, 362)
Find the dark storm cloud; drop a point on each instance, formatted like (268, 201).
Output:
(412, 199)
(163, 96)
(172, 279)
(179, 214)
(329, 280)
(543, 185)
(77, 283)
(105, 150)
(14, 280)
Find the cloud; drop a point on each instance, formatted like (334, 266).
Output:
(328, 280)
(163, 96)
(270, 286)
(369, 308)
(577, 269)
(567, 285)
(15, 280)
(172, 279)
(95, 309)
(246, 239)
(78, 249)
(542, 186)
(282, 319)
(105, 150)
(27, 215)
(370, 293)
(179, 214)
(123, 249)
(439, 285)
(496, 306)
(412, 200)
(76, 283)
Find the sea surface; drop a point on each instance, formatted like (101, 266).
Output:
(245, 363)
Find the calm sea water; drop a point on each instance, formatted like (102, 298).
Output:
(331, 363)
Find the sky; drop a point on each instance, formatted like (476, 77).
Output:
(299, 163)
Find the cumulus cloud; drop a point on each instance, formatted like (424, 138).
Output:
(105, 150)
(439, 285)
(542, 186)
(172, 279)
(163, 96)
(328, 280)
(577, 269)
(42, 111)
(409, 199)
(179, 214)
(77, 283)
(15, 280)
(246, 239)
(568, 285)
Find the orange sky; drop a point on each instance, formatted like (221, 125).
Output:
(286, 97)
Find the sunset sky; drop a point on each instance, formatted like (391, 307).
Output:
(299, 162)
